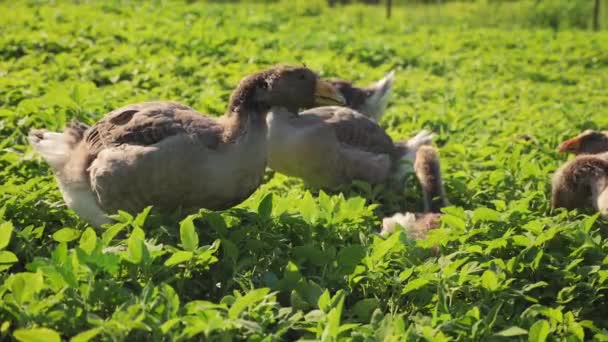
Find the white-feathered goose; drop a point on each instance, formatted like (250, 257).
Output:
(582, 183)
(330, 146)
(168, 155)
(370, 101)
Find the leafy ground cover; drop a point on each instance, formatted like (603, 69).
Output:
(499, 90)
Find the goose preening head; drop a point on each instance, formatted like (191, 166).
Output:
(168, 155)
(331, 146)
(370, 101)
(588, 142)
(289, 87)
(582, 183)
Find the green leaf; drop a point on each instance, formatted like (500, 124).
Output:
(539, 331)
(383, 247)
(489, 280)
(179, 257)
(485, 214)
(364, 308)
(25, 285)
(310, 253)
(454, 221)
(168, 325)
(109, 234)
(66, 235)
(6, 230)
(187, 233)
(589, 221)
(406, 274)
(7, 259)
(88, 241)
(297, 302)
(324, 301)
(86, 335)
(265, 207)
(308, 209)
(37, 335)
(242, 303)
(217, 222)
(350, 256)
(140, 219)
(332, 328)
(135, 247)
(414, 285)
(512, 331)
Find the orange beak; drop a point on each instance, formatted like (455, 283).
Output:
(570, 146)
(327, 95)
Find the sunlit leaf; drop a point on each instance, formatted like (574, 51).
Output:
(188, 234)
(6, 229)
(66, 235)
(37, 335)
(539, 331)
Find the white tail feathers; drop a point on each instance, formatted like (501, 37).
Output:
(415, 225)
(52, 146)
(406, 221)
(380, 94)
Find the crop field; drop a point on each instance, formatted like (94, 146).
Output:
(499, 87)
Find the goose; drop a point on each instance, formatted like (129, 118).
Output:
(370, 101)
(582, 183)
(587, 142)
(168, 155)
(331, 146)
(416, 225)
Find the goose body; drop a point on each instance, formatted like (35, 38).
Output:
(168, 155)
(330, 146)
(141, 154)
(582, 183)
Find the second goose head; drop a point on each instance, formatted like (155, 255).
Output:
(370, 101)
(588, 142)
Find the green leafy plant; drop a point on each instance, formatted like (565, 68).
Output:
(294, 263)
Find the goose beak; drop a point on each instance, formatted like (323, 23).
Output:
(570, 145)
(327, 95)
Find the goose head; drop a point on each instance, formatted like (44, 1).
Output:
(289, 87)
(588, 142)
(371, 100)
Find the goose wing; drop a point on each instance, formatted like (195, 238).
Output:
(148, 123)
(354, 129)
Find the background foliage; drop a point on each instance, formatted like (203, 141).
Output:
(501, 83)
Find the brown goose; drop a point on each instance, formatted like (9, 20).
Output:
(370, 101)
(416, 225)
(168, 155)
(582, 183)
(331, 146)
(588, 142)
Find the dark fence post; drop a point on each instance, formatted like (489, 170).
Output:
(596, 16)
(388, 8)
